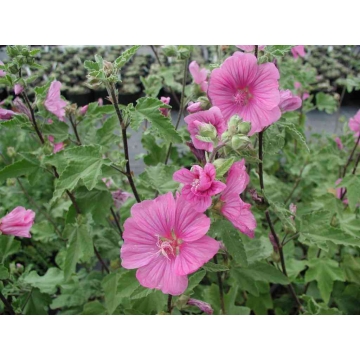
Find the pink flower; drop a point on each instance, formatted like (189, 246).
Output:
(100, 101)
(198, 121)
(18, 222)
(340, 191)
(199, 185)
(83, 109)
(250, 48)
(119, 197)
(288, 101)
(242, 87)
(305, 95)
(293, 208)
(339, 143)
(202, 305)
(297, 85)
(165, 100)
(231, 205)
(199, 154)
(6, 114)
(21, 107)
(18, 89)
(297, 51)
(53, 102)
(194, 107)
(108, 182)
(199, 75)
(165, 239)
(2, 72)
(354, 124)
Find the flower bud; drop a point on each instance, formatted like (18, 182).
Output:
(11, 151)
(244, 128)
(202, 305)
(205, 102)
(108, 68)
(194, 107)
(169, 50)
(239, 141)
(292, 208)
(208, 130)
(10, 182)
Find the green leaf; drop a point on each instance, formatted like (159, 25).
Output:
(148, 108)
(325, 271)
(204, 138)
(85, 163)
(257, 249)
(43, 231)
(212, 267)
(37, 304)
(351, 267)
(225, 231)
(296, 133)
(47, 283)
(94, 308)
(91, 65)
(223, 166)
(194, 280)
(352, 184)
(264, 272)
(156, 153)
(152, 85)
(105, 136)
(8, 246)
(326, 102)
(19, 168)
(126, 56)
(4, 273)
(278, 50)
(58, 160)
(81, 246)
(58, 129)
(159, 177)
(284, 216)
(274, 139)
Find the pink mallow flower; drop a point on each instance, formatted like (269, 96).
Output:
(83, 109)
(18, 222)
(18, 89)
(250, 48)
(297, 51)
(199, 75)
(202, 305)
(198, 124)
(230, 204)
(166, 240)
(288, 101)
(339, 143)
(242, 87)
(6, 114)
(297, 85)
(194, 107)
(165, 100)
(354, 124)
(2, 72)
(21, 107)
(119, 197)
(108, 182)
(53, 102)
(199, 185)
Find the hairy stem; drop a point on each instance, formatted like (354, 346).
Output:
(221, 289)
(116, 221)
(7, 304)
(261, 176)
(114, 100)
(74, 126)
(169, 305)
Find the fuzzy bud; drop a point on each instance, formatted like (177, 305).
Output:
(208, 130)
(202, 305)
(108, 68)
(244, 128)
(11, 151)
(239, 141)
(169, 50)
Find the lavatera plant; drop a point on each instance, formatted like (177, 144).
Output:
(235, 212)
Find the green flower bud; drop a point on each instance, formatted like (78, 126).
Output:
(225, 136)
(204, 102)
(234, 121)
(244, 128)
(169, 50)
(208, 130)
(239, 141)
(10, 182)
(11, 151)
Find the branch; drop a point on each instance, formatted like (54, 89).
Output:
(7, 304)
(74, 126)
(221, 289)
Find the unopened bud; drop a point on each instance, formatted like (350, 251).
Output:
(233, 123)
(10, 182)
(194, 107)
(205, 102)
(11, 151)
(208, 130)
(244, 128)
(169, 50)
(202, 305)
(108, 68)
(239, 141)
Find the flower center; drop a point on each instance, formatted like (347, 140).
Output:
(194, 185)
(169, 247)
(242, 97)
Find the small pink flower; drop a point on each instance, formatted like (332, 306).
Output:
(2, 72)
(305, 96)
(194, 107)
(18, 222)
(231, 205)
(165, 239)
(165, 100)
(297, 85)
(119, 197)
(83, 109)
(199, 75)
(339, 143)
(293, 208)
(198, 120)
(340, 191)
(18, 89)
(354, 124)
(202, 305)
(21, 107)
(199, 185)
(108, 182)
(250, 48)
(298, 50)
(56, 146)
(53, 102)
(100, 101)
(242, 87)
(6, 114)
(288, 101)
